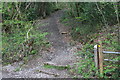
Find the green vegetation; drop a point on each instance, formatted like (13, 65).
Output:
(90, 23)
(57, 67)
(17, 69)
(20, 35)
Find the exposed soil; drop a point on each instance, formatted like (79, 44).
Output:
(60, 54)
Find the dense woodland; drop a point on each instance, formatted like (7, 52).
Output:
(90, 23)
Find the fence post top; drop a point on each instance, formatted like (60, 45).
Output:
(95, 46)
(99, 46)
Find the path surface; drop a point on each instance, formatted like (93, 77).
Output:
(61, 53)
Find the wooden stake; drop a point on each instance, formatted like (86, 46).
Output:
(100, 59)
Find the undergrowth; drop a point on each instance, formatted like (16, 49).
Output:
(57, 67)
(89, 35)
(21, 38)
(86, 65)
(22, 42)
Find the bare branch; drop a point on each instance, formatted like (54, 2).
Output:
(28, 6)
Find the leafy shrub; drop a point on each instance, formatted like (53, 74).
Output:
(87, 21)
(20, 36)
(90, 12)
(22, 42)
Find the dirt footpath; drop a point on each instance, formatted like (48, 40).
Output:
(61, 53)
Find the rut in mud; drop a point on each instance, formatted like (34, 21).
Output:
(61, 53)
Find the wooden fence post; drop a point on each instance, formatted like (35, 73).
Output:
(100, 59)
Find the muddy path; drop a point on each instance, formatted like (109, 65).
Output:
(60, 54)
